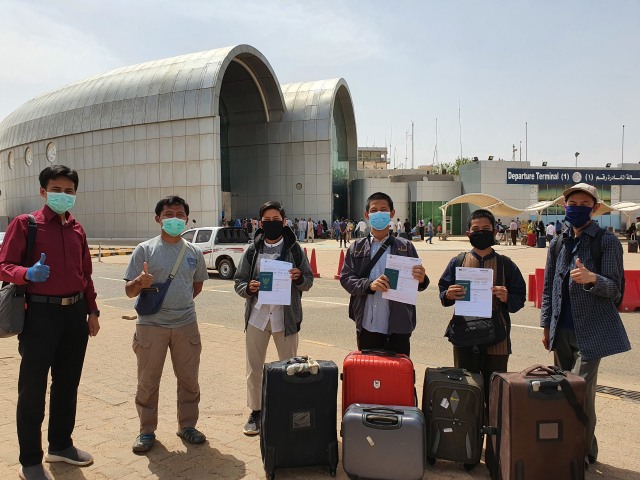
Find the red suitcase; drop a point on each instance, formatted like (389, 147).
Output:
(379, 378)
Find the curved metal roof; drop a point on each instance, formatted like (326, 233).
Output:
(499, 207)
(313, 103)
(186, 86)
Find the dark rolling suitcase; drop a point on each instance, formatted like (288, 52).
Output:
(383, 442)
(542, 242)
(379, 378)
(632, 245)
(453, 405)
(537, 425)
(299, 410)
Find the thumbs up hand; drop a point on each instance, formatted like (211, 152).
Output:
(145, 278)
(581, 274)
(39, 272)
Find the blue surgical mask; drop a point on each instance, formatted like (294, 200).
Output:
(173, 226)
(577, 216)
(379, 220)
(60, 202)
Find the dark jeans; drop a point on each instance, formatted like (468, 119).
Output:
(54, 337)
(343, 239)
(421, 233)
(395, 342)
(464, 357)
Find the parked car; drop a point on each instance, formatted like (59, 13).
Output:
(2, 238)
(222, 247)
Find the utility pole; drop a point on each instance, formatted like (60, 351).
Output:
(622, 143)
(526, 142)
(412, 145)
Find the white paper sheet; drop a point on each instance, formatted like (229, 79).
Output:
(278, 271)
(406, 290)
(480, 282)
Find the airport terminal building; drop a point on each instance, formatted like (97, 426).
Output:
(214, 127)
(217, 128)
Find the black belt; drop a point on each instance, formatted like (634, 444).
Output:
(56, 300)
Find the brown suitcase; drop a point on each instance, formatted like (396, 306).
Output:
(537, 425)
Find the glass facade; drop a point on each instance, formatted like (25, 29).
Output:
(556, 212)
(431, 210)
(339, 162)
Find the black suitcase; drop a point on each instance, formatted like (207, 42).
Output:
(632, 246)
(298, 422)
(542, 242)
(453, 404)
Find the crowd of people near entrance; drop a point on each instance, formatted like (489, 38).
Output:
(579, 321)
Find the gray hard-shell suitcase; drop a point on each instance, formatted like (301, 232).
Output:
(453, 405)
(383, 442)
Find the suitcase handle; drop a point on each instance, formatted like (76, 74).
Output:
(551, 370)
(383, 410)
(382, 422)
(373, 351)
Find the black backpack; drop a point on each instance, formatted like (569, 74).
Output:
(596, 254)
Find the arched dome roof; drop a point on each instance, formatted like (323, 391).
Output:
(186, 86)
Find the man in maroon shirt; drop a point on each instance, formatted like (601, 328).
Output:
(62, 313)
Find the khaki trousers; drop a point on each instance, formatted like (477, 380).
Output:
(150, 344)
(257, 342)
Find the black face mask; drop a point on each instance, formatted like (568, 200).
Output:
(482, 239)
(272, 229)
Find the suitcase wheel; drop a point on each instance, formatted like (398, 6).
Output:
(469, 466)
(431, 460)
(332, 472)
(271, 476)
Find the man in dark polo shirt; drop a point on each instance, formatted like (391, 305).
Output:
(61, 315)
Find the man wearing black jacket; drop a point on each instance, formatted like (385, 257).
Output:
(380, 323)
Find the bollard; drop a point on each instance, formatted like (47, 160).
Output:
(314, 267)
(340, 264)
(305, 252)
(100, 252)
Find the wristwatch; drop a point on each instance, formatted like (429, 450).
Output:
(96, 313)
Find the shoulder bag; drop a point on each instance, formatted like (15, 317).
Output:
(150, 299)
(13, 297)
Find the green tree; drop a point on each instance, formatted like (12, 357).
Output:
(453, 168)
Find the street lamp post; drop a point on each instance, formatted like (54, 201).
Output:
(577, 153)
(622, 143)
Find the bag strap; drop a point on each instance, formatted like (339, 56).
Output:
(176, 265)
(570, 395)
(366, 271)
(596, 249)
(32, 233)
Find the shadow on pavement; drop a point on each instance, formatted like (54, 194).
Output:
(600, 470)
(198, 462)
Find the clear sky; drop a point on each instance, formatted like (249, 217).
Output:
(570, 68)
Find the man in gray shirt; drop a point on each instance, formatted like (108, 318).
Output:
(174, 326)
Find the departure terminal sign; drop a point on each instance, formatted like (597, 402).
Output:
(550, 176)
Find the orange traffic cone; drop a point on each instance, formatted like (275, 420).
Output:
(314, 267)
(340, 264)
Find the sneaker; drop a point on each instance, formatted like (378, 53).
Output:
(71, 455)
(34, 472)
(191, 435)
(144, 442)
(252, 427)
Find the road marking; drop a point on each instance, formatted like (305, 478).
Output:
(323, 301)
(319, 343)
(525, 326)
(212, 324)
(214, 290)
(114, 279)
